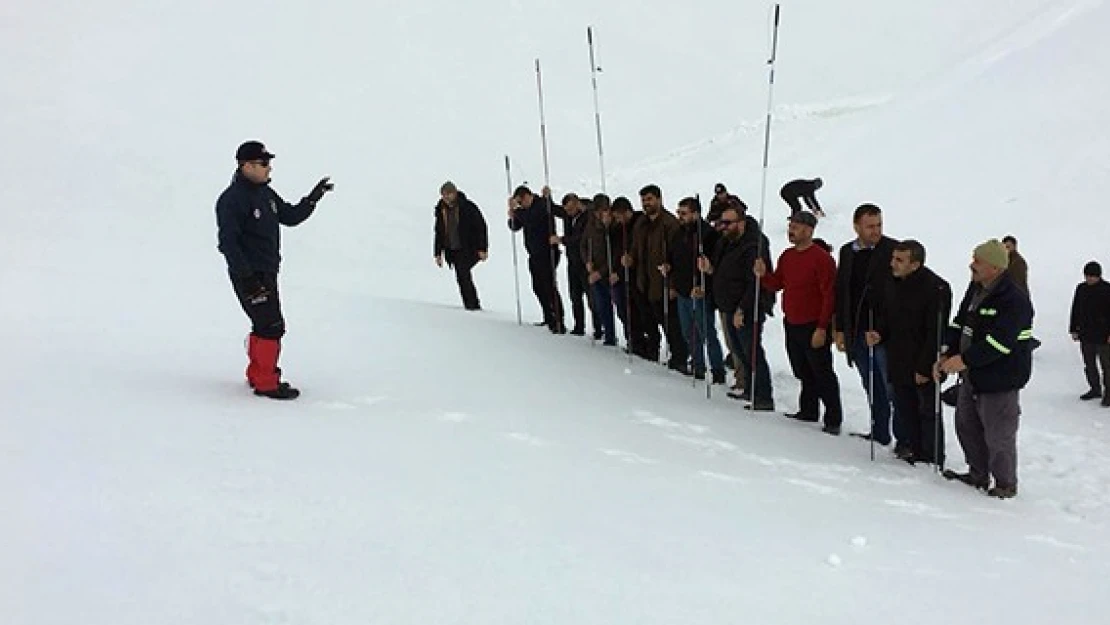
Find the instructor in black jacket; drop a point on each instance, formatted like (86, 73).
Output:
(462, 238)
(248, 214)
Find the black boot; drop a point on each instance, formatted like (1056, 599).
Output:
(283, 391)
(981, 483)
(718, 376)
(1091, 394)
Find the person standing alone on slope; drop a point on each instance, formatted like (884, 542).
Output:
(462, 238)
(248, 214)
(1090, 327)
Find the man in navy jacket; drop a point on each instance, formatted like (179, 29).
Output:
(248, 214)
(988, 344)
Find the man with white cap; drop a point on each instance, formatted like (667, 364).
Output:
(988, 345)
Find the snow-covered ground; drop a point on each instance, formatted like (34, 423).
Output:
(451, 467)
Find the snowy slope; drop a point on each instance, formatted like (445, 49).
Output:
(446, 467)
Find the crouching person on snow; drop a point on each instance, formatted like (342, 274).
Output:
(248, 214)
(988, 345)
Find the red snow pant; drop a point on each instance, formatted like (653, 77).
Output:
(267, 328)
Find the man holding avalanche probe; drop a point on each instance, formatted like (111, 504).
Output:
(248, 214)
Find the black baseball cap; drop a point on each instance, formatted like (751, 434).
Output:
(805, 218)
(253, 151)
(720, 188)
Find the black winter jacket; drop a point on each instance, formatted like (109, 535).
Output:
(734, 283)
(917, 309)
(851, 316)
(574, 231)
(538, 225)
(1000, 357)
(1090, 312)
(683, 254)
(247, 217)
(473, 233)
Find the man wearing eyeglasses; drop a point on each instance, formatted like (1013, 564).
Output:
(248, 214)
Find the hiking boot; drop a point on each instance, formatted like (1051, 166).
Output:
(799, 416)
(718, 376)
(1003, 492)
(981, 483)
(1091, 394)
(834, 430)
(283, 391)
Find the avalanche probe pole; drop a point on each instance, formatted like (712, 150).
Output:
(594, 69)
(516, 271)
(704, 307)
(547, 199)
(871, 380)
(763, 195)
(938, 435)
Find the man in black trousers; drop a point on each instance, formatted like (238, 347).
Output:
(462, 238)
(536, 216)
(248, 214)
(916, 307)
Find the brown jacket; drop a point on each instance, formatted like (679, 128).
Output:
(1019, 271)
(649, 250)
(595, 247)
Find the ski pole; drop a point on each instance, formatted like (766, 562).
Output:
(938, 433)
(871, 377)
(594, 69)
(704, 303)
(763, 190)
(512, 233)
(555, 304)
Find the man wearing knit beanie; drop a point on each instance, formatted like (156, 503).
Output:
(1090, 326)
(988, 345)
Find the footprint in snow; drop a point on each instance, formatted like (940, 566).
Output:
(627, 456)
(649, 418)
(1055, 542)
(916, 507)
(336, 405)
(722, 477)
(526, 438)
(813, 486)
(708, 445)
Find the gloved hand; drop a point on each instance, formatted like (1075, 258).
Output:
(320, 189)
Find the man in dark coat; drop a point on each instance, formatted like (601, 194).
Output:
(598, 250)
(916, 310)
(650, 239)
(722, 199)
(248, 215)
(536, 217)
(988, 344)
(623, 280)
(575, 219)
(1090, 326)
(862, 278)
(461, 237)
(797, 191)
(734, 291)
(696, 315)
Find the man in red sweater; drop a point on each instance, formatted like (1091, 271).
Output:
(806, 274)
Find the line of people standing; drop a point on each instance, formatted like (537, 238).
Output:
(671, 278)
